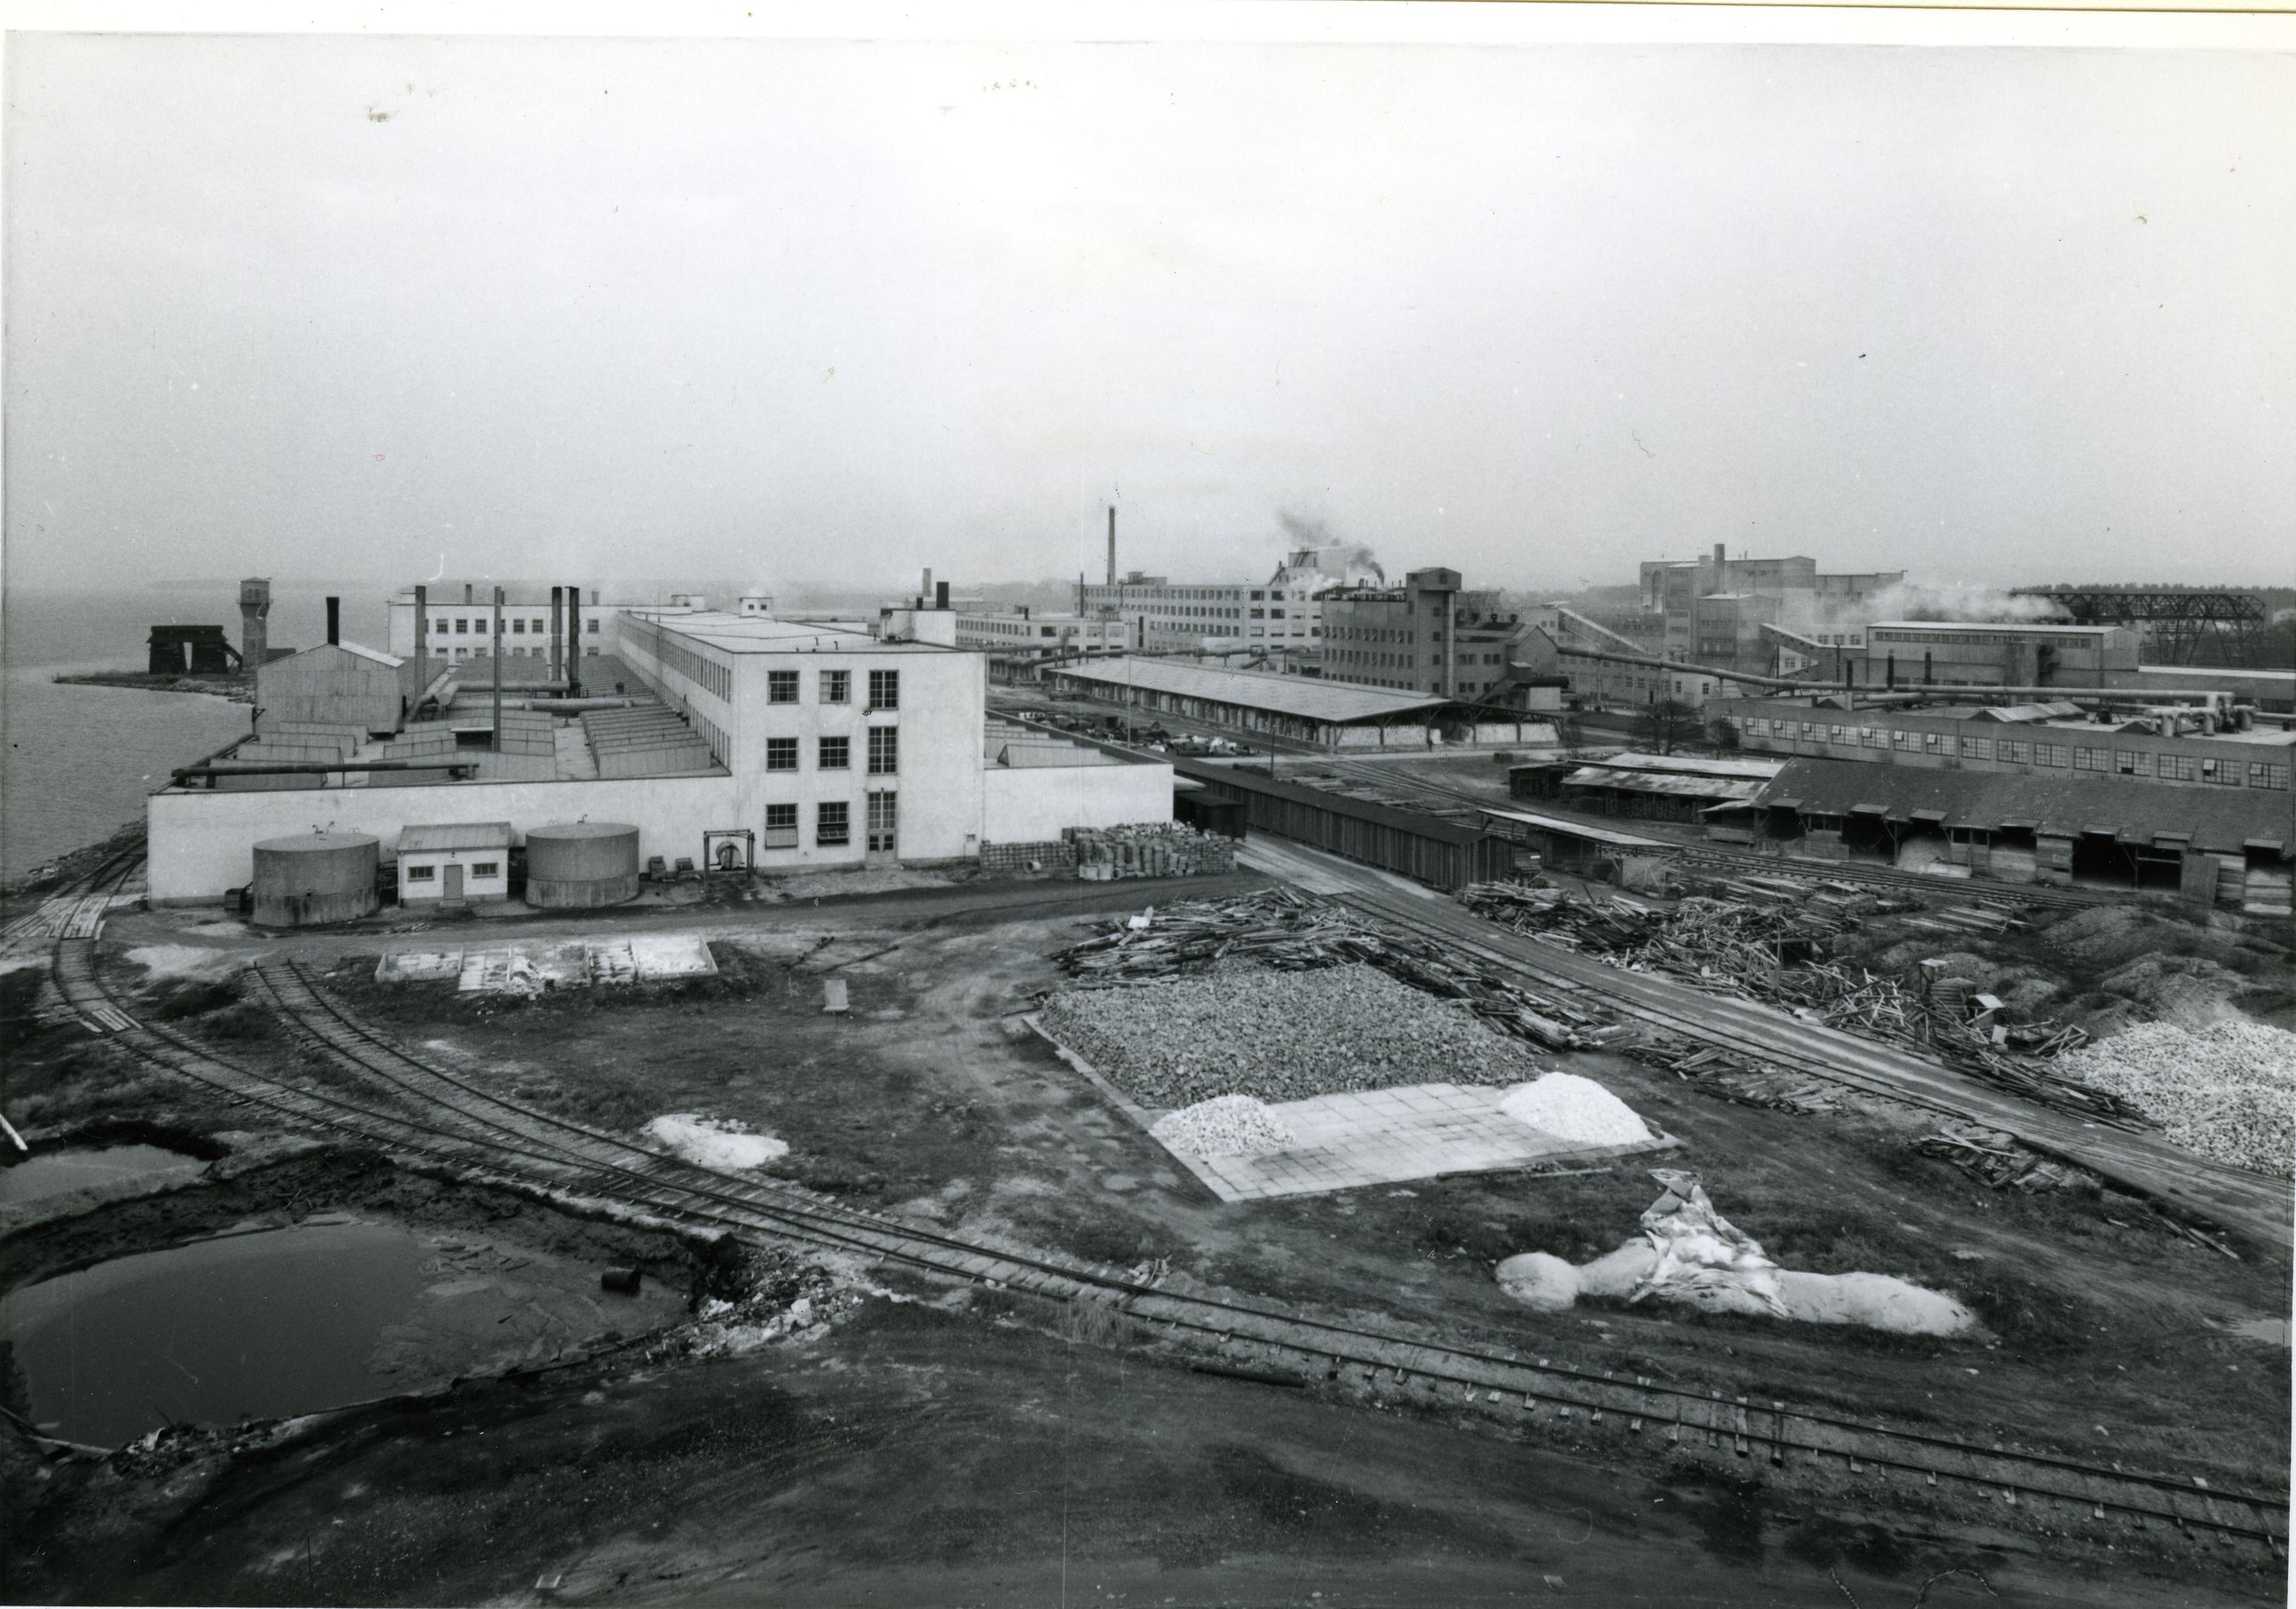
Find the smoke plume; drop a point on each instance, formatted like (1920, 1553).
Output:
(1948, 600)
(1342, 563)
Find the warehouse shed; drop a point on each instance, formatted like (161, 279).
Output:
(453, 862)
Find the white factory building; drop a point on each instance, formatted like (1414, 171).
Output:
(809, 746)
(1017, 641)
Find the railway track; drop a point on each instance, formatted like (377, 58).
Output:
(2041, 896)
(365, 1087)
(2151, 1167)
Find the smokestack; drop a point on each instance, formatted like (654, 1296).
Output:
(558, 614)
(574, 641)
(495, 648)
(940, 594)
(1112, 544)
(1080, 592)
(468, 596)
(925, 588)
(334, 621)
(423, 631)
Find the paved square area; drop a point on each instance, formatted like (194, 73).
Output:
(526, 968)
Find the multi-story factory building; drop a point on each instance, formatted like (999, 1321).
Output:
(1425, 636)
(1017, 641)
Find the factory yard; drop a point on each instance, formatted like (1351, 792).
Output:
(767, 1379)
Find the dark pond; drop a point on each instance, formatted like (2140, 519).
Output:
(256, 1325)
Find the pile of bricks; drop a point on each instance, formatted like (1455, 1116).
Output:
(1149, 849)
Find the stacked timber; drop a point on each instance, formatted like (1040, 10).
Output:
(1149, 849)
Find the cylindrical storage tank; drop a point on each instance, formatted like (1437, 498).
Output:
(319, 877)
(571, 865)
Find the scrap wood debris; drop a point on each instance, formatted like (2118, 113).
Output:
(1290, 932)
(1732, 1077)
(1995, 1159)
(1779, 952)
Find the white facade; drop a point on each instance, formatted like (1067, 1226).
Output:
(460, 630)
(1016, 638)
(845, 749)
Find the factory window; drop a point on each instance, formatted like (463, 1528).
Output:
(486, 869)
(1903, 740)
(781, 754)
(2224, 773)
(439, 626)
(781, 827)
(462, 628)
(2176, 768)
(590, 625)
(780, 687)
(884, 750)
(592, 650)
(1258, 597)
(1043, 631)
(2090, 759)
(1258, 614)
(884, 812)
(2015, 751)
(535, 625)
(837, 753)
(2052, 754)
(1977, 748)
(1275, 613)
(884, 689)
(2265, 773)
(422, 874)
(518, 628)
(1933, 743)
(2131, 762)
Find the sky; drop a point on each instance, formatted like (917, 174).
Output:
(816, 314)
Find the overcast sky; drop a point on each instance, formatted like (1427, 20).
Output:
(819, 313)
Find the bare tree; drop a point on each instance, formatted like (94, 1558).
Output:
(1666, 723)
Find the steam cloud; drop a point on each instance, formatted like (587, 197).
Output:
(1950, 600)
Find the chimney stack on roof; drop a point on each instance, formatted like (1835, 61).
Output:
(334, 621)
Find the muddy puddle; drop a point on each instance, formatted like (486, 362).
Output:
(278, 1322)
(255, 1326)
(54, 1172)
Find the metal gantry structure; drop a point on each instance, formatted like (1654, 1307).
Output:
(2177, 619)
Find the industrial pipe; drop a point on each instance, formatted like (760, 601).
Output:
(318, 768)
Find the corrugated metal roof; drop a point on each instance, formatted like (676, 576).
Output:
(1311, 699)
(2222, 820)
(1581, 829)
(454, 835)
(1677, 785)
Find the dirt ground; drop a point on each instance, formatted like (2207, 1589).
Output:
(928, 1456)
(918, 1456)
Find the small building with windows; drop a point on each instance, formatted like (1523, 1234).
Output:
(453, 862)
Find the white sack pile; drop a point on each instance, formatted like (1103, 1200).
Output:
(1226, 1126)
(1690, 1253)
(715, 1143)
(1575, 1108)
(2226, 1091)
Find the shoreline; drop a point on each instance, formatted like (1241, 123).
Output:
(231, 689)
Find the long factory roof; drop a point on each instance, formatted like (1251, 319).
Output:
(1310, 698)
(765, 634)
(2223, 820)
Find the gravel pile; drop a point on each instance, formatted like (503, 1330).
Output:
(1226, 1126)
(2226, 1091)
(1575, 1109)
(1241, 1029)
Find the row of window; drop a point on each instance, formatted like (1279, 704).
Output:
(833, 823)
(2021, 751)
(836, 753)
(478, 870)
(440, 652)
(515, 625)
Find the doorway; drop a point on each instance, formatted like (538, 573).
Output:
(883, 841)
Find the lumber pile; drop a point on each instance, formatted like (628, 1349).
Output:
(1149, 849)
(1749, 1081)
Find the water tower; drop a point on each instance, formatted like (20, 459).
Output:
(255, 611)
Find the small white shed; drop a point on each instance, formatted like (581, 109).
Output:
(453, 862)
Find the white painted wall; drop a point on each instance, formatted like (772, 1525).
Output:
(414, 890)
(203, 843)
(1031, 805)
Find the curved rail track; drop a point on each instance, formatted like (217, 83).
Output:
(365, 1087)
